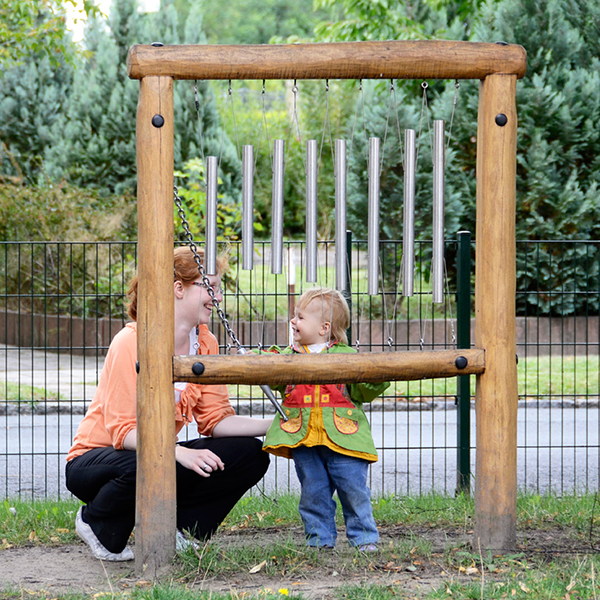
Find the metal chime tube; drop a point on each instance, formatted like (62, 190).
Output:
(311, 210)
(341, 275)
(210, 231)
(373, 222)
(437, 260)
(247, 207)
(408, 237)
(277, 208)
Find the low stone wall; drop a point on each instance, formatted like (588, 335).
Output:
(569, 336)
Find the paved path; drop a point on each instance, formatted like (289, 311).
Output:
(68, 376)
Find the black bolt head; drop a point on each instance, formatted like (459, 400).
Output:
(197, 369)
(158, 121)
(461, 362)
(501, 120)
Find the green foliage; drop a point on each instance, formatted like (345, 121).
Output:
(32, 102)
(77, 123)
(258, 21)
(558, 169)
(367, 20)
(192, 191)
(64, 212)
(354, 20)
(34, 276)
(36, 28)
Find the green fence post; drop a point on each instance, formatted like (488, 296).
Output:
(463, 334)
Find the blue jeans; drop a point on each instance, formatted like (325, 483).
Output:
(321, 472)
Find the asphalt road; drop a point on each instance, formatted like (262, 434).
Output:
(558, 450)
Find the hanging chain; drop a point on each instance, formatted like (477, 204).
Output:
(205, 280)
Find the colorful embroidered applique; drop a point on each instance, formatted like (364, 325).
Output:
(292, 425)
(345, 425)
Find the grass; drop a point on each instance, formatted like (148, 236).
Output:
(15, 392)
(461, 573)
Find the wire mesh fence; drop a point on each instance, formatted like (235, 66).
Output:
(61, 304)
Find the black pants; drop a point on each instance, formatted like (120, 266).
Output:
(104, 478)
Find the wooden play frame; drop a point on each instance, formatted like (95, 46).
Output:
(493, 360)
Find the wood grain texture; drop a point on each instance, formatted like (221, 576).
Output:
(495, 323)
(422, 59)
(156, 506)
(278, 369)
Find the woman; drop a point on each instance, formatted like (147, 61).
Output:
(212, 473)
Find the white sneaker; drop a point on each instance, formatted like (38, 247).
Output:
(84, 531)
(183, 542)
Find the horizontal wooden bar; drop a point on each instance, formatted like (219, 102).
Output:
(368, 367)
(405, 59)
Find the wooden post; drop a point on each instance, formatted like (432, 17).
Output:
(495, 329)
(156, 507)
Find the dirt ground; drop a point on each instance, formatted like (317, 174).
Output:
(43, 571)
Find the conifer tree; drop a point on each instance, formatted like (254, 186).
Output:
(32, 101)
(96, 147)
(558, 168)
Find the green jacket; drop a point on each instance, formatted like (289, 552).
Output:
(343, 416)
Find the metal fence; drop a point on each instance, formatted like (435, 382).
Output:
(61, 304)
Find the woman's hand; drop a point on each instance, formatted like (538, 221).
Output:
(204, 462)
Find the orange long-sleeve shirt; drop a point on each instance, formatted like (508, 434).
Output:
(112, 413)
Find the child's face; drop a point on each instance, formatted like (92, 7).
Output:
(308, 325)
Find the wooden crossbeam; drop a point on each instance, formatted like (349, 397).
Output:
(420, 59)
(370, 367)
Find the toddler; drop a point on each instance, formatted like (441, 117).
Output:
(327, 432)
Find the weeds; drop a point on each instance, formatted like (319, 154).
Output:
(261, 543)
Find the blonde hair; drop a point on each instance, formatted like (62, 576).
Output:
(185, 269)
(334, 310)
